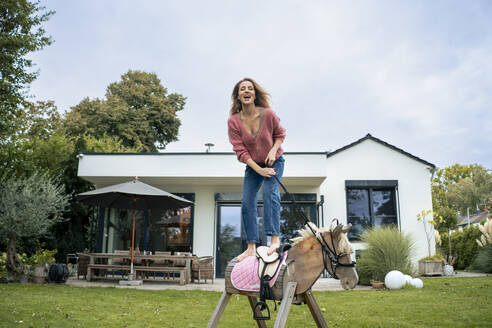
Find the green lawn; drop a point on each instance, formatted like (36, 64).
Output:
(443, 302)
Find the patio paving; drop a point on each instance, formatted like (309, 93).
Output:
(322, 284)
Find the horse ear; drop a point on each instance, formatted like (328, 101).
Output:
(337, 230)
(347, 228)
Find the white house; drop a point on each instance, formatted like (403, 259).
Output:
(366, 183)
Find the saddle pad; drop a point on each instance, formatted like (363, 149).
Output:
(244, 275)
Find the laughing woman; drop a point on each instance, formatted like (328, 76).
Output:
(256, 135)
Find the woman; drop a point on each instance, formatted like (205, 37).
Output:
(256, 135)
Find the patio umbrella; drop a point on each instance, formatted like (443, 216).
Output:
(133, 195)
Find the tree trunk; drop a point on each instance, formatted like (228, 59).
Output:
(14, 264)
(449, 244)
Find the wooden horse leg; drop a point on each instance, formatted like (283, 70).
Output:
(285, 304)
(315, 310)
(219, 310)
(252, 301)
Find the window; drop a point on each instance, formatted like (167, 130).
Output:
(158, 230)
(231, 237)
(172, 230)
(370, 204)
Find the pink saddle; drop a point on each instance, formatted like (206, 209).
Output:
(244, 275)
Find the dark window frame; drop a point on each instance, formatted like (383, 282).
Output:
(105, 212)
(234, 200)
(370, 185)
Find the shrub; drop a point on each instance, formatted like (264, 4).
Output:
(386, 249)
(486, 230)
(42, 257)
(464, 246)
(436, 257)
(483, 260)
(3, 262)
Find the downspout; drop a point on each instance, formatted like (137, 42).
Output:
(433, 171)
(398, 200)
(321, 217)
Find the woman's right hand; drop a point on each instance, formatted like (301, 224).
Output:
(267, 172)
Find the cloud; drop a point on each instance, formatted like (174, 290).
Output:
(415, 74)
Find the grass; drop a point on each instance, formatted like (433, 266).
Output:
(443, 302)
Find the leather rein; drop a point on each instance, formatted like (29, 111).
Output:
(326, 250)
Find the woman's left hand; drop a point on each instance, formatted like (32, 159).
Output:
(270, 159)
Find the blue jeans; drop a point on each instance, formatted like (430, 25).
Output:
(271, 201)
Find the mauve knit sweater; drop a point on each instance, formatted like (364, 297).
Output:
(256, 147)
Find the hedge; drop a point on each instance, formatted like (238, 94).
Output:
(463, 243)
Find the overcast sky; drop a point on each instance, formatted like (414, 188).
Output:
(416, 74)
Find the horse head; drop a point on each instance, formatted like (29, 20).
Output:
(337, 258)
(325, 248)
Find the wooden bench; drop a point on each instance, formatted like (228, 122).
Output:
(138, 268)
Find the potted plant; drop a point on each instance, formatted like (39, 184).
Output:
(376, 284)
(3, 267)
(41, 261)
(432, 264)
(25, 274)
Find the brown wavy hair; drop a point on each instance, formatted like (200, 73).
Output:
(261, 96)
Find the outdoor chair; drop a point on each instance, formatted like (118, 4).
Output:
(203, 268)
(136, 252)
(159, 262)
(101, 272)
(121, 260)
(180, 263)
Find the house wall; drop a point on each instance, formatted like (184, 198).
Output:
(192, 168)
(208, 173)
(203, 174)
(370, 160)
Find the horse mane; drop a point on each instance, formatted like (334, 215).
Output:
(306, 233)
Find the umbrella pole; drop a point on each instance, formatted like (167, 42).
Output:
(133, 235)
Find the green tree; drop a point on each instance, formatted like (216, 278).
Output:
(38, 144)
(28, 208)
(138, 110)
(21, 33)
(472, 191)
(449, 219)
(41, 146)
(291, 221)
(448, 223)
(443, 179)
(460, 187)
(77, 232)
(41, 120)
(230, 245)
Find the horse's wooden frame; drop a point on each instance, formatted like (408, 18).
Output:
(304, 264)
(285, 289)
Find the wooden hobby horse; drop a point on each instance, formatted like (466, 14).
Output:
(311, 253)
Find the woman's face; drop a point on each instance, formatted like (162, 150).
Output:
(246, 93)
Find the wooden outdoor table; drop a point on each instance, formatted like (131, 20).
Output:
(186, 258)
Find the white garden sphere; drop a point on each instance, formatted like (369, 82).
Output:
(408, 279)
(417, 283)
(394, 280)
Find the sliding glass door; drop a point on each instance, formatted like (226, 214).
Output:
(230, 241)
(231, 238)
